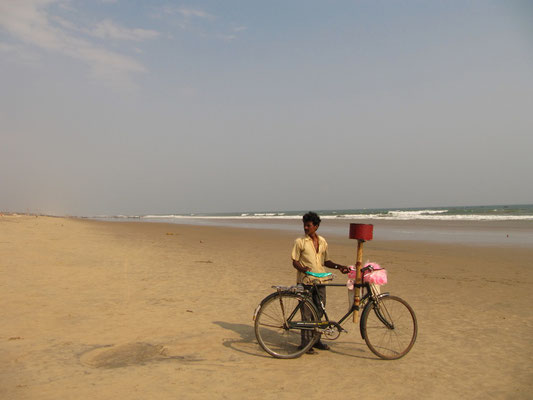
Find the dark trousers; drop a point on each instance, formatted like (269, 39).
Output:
(306, 313)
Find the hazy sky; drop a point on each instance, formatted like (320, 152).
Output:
(140, 107)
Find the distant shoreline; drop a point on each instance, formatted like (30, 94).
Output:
(503, 212)
(506, 233)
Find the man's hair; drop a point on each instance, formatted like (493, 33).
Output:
(311, 217)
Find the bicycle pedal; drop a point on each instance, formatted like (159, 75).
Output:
(339, 327)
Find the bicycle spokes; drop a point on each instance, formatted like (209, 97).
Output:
(383, 314)
(284, 325)
(390, 327)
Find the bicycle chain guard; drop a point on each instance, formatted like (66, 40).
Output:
(333, 331)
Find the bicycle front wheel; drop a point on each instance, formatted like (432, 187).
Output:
(389, 327)
(275, 321)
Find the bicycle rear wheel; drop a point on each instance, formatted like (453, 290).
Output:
(272, 325)
(389, 327)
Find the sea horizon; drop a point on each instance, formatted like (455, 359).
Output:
(503, 212)
(508, 224)
(481, 225)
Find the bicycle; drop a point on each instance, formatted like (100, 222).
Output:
(388, 323)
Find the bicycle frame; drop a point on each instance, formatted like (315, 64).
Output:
(313, 325)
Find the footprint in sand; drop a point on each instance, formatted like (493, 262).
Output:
(123, 355)
(128, 355)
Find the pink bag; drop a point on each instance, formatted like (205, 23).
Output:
(378, 276)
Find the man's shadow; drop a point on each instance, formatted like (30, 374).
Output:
(247, 342)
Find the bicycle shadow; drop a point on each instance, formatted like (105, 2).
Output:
(247, 342)
(360, 348)
(351, 345)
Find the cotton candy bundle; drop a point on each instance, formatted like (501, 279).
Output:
(378, 276)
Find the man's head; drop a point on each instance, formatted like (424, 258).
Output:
(311, 222)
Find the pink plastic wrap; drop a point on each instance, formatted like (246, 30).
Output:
(377, 277)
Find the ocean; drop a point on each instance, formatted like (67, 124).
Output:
(483, 225)
(463, 213)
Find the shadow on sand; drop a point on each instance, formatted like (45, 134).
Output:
(246, 343)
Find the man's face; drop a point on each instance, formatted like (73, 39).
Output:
(310, 228)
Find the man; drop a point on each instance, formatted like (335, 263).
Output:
(310, 253)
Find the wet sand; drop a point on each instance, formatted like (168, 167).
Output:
(101, 310)
(501, 233)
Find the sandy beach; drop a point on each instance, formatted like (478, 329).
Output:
(105, 310)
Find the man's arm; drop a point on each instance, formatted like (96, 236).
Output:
(342, 268)
(299, 267)
(295, 255)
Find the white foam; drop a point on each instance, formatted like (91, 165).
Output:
(415, 213)
(398, 215)
(403, 216)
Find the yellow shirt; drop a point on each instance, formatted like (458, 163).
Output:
(304, 252)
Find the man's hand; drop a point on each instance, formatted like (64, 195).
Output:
(344, 269)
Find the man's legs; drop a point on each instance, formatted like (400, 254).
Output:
(306, 316)
(316, 300)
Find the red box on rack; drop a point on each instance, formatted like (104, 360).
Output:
(361, 231)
